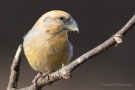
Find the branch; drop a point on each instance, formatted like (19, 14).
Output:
(65, 71)
(15, 68)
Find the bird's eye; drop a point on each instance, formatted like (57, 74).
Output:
(61, 18)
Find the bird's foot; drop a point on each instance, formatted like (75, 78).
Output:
(36, 78)
(45, 74)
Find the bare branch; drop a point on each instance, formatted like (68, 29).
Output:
(15, 69)
(66, 70)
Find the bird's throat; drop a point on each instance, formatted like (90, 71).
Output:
(62, 34)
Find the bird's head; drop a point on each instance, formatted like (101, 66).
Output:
(56, 23)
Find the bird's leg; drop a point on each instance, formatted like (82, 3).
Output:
(45, 74)
(36, 78)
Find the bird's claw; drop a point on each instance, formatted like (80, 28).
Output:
(42, 75)
(36, 78)
(45, 74)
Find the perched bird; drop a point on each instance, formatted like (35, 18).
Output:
(46, 45)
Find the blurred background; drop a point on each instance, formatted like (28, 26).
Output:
(98, 20)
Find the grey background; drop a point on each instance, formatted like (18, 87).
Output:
(98, 20)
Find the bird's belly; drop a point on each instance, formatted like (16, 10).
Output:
(48, 57)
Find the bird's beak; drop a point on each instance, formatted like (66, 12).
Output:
(72, 26)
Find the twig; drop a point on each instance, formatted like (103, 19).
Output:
(15, 68)
(66, 70)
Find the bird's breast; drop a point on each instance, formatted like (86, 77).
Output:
(47, 55)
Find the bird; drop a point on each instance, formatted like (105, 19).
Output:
(46, 45)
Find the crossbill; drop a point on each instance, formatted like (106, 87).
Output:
(46, 45)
